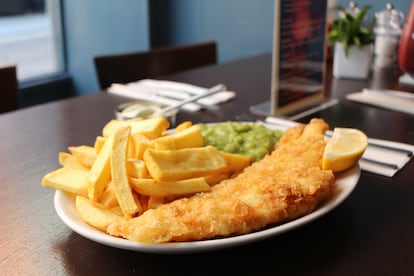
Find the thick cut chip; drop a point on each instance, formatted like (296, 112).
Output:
(186, 138)
(185, 187)
(108, 197)
(155, 202)
(172, 165)
(136, 168)
(100, 173)
(68, 179)
(113, 125)
(214, 179)
(236, 162)
(128, 203)
(131, 148)
(84, 154)
(68, 160)
(151, 128)
(99, 142)
(140, 143)
(183, 126)
(95, 213)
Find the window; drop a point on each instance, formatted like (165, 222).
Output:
(30, 37)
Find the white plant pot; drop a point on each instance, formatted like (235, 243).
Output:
(354, 66)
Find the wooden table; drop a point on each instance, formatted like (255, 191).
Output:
(370, 233)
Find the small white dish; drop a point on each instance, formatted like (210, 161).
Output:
(145, 110)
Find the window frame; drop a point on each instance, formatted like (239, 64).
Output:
(55, 12)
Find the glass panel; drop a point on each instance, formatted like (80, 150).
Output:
(30, 36)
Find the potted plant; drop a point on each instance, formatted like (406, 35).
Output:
(353, 42)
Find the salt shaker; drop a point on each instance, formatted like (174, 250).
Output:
(387, 34)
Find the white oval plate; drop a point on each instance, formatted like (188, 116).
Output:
(66, 210)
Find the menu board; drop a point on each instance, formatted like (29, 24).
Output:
(298, 58)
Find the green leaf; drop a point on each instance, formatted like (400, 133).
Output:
(350, 30)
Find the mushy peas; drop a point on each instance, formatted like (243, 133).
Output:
(249, 139)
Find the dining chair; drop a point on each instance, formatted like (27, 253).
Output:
(8, 88)
(133, 66)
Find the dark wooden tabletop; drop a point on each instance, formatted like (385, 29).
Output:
(370, 233)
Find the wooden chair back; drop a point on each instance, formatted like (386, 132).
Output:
(128, 67)
(8, 89)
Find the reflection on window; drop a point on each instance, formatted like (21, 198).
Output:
(30, 36)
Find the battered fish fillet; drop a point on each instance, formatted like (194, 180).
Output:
(286, 184)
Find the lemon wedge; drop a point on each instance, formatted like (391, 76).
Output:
(344, 149)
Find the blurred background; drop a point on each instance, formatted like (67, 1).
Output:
(53, 42)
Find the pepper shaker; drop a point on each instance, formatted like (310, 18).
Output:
(387, 35)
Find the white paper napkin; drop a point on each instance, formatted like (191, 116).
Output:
(144, 94)
(381, 157)
(169, 92)
(394, 100)
(381, 151)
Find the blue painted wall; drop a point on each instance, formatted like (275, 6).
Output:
(95, 27)
(241, 27)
